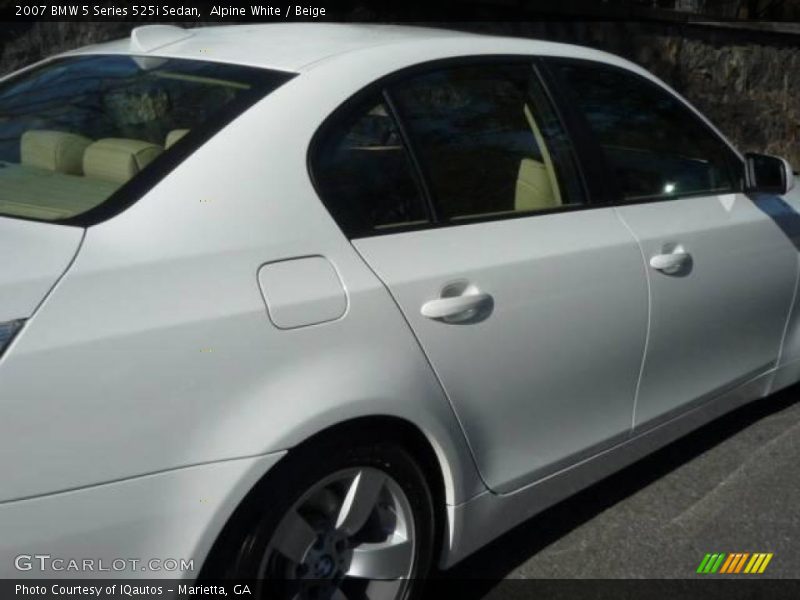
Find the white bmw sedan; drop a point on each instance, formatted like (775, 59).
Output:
(329, 306)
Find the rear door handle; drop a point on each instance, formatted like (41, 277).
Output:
(457, 308)
(670, 262)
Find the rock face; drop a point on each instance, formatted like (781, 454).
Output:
(747, 82)
(24, 43)
(751, 91)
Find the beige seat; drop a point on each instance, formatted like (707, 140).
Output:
(537, 186)
(534, 189)
(118, 159)
(43, 194)
(57, 151)
(173, 136)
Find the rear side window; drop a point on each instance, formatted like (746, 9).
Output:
(489, 143)
(483, 143)
(365, 175)
(655, 145)
(75, 133)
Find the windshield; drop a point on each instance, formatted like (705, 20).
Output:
(75, 132)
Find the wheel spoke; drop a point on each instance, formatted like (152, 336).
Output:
(294, 537)
(385, 560)
(360, 500)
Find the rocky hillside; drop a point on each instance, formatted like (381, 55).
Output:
(27, 42)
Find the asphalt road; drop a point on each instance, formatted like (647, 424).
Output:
(732, 486)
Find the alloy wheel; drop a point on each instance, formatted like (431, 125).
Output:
(351, 535)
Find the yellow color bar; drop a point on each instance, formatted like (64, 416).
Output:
(765, 563)
(754, 562)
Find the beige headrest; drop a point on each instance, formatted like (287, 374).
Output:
(53, 150)
(173, 136)
(118, 159)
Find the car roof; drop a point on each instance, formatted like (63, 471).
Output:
(298, 47)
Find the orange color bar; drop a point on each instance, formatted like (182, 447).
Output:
(741, 562)
(727, 564)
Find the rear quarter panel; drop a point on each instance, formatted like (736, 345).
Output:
(155, 351)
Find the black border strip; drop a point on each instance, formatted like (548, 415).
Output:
(410, 148)
(601, 189)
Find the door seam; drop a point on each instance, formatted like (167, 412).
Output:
(649, 317)
(789, 314)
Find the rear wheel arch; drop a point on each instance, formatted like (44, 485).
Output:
(377, 428)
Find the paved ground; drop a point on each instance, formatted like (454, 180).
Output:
(732, 486)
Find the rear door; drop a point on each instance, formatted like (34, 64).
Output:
(530, 304)
(720, 270)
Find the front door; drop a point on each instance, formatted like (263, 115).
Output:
(721, 272)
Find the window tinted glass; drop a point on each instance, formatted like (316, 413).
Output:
(75, 130)
(486, 146)
(364, 174)
(655, 144)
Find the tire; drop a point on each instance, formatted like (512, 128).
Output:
(333, 521)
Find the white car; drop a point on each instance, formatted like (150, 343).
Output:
(329, 306)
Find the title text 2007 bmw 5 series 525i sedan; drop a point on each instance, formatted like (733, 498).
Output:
(329, 306)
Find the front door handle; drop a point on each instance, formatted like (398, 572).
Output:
(671, 262)
(456, 309)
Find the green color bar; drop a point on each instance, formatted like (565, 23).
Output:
(711, 562)
(718, 564)
(703, 563)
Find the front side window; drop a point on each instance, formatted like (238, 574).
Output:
(655, 145)
(76, 130)
(488, 141)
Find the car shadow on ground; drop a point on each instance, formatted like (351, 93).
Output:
(481, 572)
